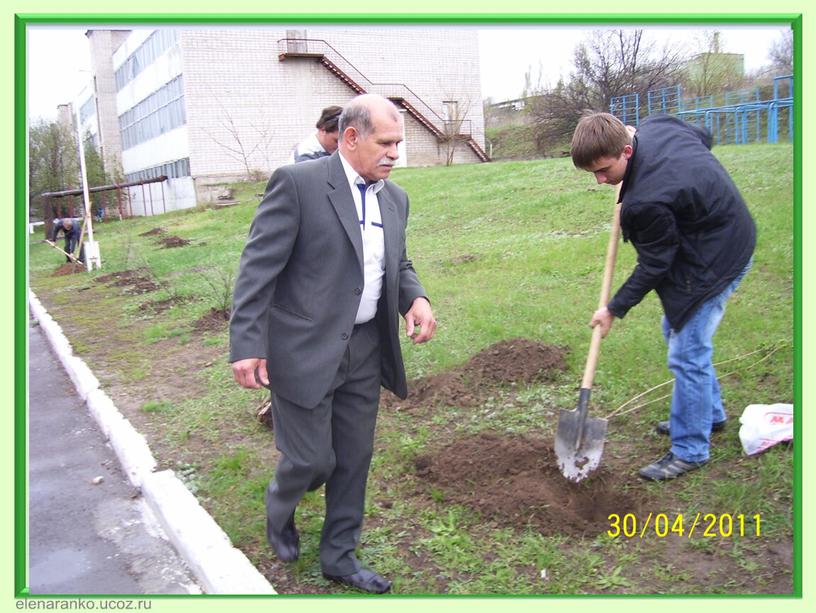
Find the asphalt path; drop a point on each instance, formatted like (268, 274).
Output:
(90, 531)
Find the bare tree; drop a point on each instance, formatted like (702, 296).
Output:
(242, 143)
(781, 53)
(554, 114)
(617, 62)
(221, 283)
(453, 121)
(607, 63)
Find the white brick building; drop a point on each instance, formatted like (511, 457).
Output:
(207, 106)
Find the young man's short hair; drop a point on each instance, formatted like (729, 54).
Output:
(598, 135)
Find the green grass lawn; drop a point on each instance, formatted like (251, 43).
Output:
(511, 249)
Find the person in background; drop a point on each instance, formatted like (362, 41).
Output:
(72, 231)
(323, 142)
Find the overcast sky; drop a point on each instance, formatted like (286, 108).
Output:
(507, 53)
(57, 56)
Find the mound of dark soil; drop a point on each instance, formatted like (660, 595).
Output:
(515, 481)
(213, 320)
(135, 281)
(517, 361)
(444, 389)
(169, 242)
(68, 268)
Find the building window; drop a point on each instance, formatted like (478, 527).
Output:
(160, 112)
(147, 53)
(171, 170)
(87, 110)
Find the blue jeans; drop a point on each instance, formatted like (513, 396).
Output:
(696, 402)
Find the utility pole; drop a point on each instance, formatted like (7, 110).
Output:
(93, 258)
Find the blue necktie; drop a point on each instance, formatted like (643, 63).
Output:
(362, 187)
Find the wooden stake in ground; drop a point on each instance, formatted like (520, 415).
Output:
(82, 234)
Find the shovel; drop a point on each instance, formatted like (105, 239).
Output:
(579, 440)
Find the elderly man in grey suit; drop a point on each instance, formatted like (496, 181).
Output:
(323, 277)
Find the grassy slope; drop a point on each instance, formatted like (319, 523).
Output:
(504, 250)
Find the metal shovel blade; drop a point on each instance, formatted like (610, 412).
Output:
(579, 440)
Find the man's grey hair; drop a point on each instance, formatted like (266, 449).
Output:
(357, 114)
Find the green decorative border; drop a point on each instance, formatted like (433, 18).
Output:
(408, 18)
(23, 20)
(20, 309)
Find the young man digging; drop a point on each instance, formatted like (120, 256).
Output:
(694, 239)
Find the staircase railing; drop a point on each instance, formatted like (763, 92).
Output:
(319, 49)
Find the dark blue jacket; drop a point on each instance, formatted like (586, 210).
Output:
(685, 218)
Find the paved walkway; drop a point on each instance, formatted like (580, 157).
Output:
(86, 538)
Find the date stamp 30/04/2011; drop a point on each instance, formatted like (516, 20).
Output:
(703, 525)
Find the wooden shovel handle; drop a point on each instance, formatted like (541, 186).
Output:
(606, 286)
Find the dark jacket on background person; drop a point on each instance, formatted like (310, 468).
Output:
(73, 233)
(685, 218)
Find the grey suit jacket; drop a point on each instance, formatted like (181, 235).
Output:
(301, 279)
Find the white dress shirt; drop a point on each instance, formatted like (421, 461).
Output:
(371, 229)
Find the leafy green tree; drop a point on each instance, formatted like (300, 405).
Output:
(53, 164)
(95, 172)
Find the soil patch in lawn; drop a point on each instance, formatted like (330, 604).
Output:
(515, 481)
(153, 232)
(68, 268)
(213, 320)
(463, 259)
(517, 361)
(135, 281)
(157, 307)
(170, 242)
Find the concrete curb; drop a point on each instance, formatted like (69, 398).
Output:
(220, 567)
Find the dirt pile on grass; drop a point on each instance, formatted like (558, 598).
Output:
(134, 281)
(68, 268)
(167, 242)
(517, 361)
(515, 481)
(170, 242)
(213, 320)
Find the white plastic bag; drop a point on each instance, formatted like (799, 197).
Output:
(765, 425)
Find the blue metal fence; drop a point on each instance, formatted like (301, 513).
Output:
(626, 108)
(735, 117)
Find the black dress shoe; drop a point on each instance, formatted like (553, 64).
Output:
(364, 580)
(286, 543)
(663, 427)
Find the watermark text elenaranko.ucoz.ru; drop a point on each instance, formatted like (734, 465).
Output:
(82, 604)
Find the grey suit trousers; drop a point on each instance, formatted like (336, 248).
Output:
(331, 443)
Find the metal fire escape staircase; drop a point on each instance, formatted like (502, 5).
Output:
(398, 93)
